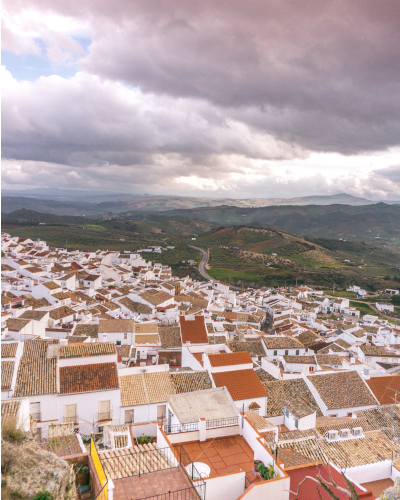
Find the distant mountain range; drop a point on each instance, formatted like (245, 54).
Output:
(69, 202)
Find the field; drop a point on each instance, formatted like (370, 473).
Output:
(251, 256)
(242, 255)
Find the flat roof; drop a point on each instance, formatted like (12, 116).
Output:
(211, 404)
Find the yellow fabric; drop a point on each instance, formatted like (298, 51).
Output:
(99, 470)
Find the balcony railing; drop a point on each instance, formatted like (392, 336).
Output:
(105, 416)
(73, 419)
(222, 422)
(177, 428)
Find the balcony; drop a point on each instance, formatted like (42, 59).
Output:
(73, 419)
(105, 416)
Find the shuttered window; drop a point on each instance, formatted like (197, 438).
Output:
(70, 413)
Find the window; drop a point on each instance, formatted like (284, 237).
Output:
(310, 368)
(161, 412)
(350, 414)
(125, 336)
(296, 423)
(129, 416)
(384, 360)
(286, 352)
(297, 352)
(367, 359)
(104, 411)
(34, 411)
(275, 353)
(70, 413)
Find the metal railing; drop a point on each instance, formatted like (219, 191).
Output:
(247, 482)
(186, 494)
(143, 461)
(74, 419)
(222, 422)
(177, 428)
(103, 493)
(104, 416)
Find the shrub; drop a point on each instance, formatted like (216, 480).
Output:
(266, 472)
(11, 431)
(144, 439)
(43, 495)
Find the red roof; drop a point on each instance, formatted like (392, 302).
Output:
(241, 384)
(193, 330)
(385, 388)
(88, 378)
(308, 490)
(230, 358)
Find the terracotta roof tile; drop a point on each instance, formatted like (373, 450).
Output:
(7, 370)
(193, 331)
(254, 347)
(61, 312)
(292, 390)
(385, 389)
(342, 390)
(87, 350)
(88, 378)
(9, 350)
(116, 325)
(241, 384)
(37, 374)
(86, 330)
(230, 358)
(132, 390)
(170, 336)
(191, 381)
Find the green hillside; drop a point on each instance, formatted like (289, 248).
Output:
(368, 222)
(256, 256)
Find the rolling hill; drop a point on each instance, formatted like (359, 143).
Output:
(65, 202)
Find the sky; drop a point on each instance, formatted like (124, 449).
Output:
(240, 99)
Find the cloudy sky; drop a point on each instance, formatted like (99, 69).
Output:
(246, 98)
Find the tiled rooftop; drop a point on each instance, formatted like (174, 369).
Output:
(9, 350)
(229, 359)
(61, 312)
(87, 350)
(37, 374)
(170, 336)
(88, 378)
(62, 446)
(241, 384)
(292, 390)
(191, 381)
(86, 330)
(342, 390)
(7, 370)
(386, 389)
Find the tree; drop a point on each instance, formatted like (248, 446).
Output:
(396, 300)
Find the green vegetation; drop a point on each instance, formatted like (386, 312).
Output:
(43, 495)
(11, 431)
(343, 294)
(96, 227)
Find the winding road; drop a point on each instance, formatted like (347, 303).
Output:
(203, 263)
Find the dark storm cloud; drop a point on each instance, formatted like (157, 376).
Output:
(171, 89)
(322, 74)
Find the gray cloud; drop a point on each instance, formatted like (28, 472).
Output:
(216, 90)
(324, 75)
